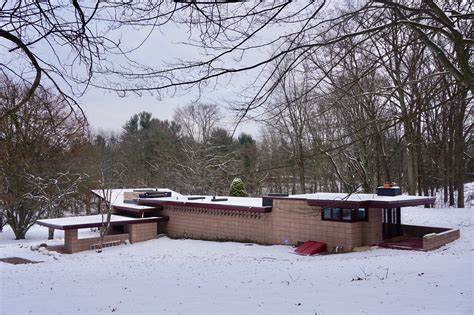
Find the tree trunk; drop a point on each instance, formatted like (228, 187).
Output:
(20, 233)
(301, 170)
(445, 173)
(88, 205)
(459, 143)
(411, 167)
(451, 163)
(50, 233)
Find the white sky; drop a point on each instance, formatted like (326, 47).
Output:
(108, 112)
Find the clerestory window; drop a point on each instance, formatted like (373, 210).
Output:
(345, 214)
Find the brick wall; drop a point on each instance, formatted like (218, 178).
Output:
(130, 195)
(435, 240)
(215, 224)
(73, 245)
(133, 232)
(294, 220)
(420, 231)
(142, 232)
(290, 222)
(372, 229)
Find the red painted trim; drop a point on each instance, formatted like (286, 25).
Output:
(286, 198)
(370, 203)
(402, 203)
(203, 205)
(92, 225)
(135, 210)
(337, 203)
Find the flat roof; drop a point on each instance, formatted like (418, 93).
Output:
(231, 203)
(115, 196)
(353, 200)
(362, 200)
(90, 221)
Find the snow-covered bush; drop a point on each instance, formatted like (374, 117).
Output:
(237, 188)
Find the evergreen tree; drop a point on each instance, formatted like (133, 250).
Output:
(237, 188)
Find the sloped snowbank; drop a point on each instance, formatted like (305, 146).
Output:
(187, 276)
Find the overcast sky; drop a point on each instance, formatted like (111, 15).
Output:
(108, 111)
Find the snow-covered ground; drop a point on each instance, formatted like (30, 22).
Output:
(188, 276)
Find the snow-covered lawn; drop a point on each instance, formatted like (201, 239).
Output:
(188, 276)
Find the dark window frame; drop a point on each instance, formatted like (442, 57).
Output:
(366, 216)
(337, 215)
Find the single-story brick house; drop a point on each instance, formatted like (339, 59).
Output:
(342, 221)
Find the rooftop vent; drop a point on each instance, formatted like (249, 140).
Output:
(196, 198)
(145, 190)
(267, 202)
(133, 201)
(389, 190)
(156, 194)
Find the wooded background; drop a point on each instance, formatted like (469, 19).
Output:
(348, 97)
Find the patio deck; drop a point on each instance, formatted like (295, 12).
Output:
(414, 243)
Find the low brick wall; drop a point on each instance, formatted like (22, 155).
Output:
(72, 244)
(215, 224)
(129, 195)
(142, 232)
(133, 232)
(435, 240)
(420, 231)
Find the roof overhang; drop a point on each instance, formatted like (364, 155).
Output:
(95, 221)
(397, 203)
(163, 203)
(140, 211)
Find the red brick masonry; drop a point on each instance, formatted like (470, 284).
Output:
(436, 240)
(73, 244)
(290, 222)
(121, 229)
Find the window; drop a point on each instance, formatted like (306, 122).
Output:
(344, 214)
(332, 214)
(347, 214)
(362, 214)
(327, 213)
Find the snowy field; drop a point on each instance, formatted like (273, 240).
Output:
(191, 277)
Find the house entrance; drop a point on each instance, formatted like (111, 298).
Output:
(391, 223)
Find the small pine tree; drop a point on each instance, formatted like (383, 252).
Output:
(237, 188)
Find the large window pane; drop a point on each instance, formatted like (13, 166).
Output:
(327, 213)
(362, 214)
(346, 214)
(336, 214)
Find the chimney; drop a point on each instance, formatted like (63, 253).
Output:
(389, 190)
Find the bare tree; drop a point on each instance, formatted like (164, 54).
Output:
(289, 114)
(231, 39)
(92, 53)
(38, 144)
(197, 121)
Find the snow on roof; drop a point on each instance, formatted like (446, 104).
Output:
(249, 202)
(257, 202)
(115, 196)
(356, 197)
(89, 221)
